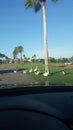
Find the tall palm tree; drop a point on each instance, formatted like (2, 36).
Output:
(37, 4)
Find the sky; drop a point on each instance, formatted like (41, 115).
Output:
(19, 26)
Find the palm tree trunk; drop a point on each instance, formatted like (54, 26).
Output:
(45, 37)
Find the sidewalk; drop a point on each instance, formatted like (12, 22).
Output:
(8, 77)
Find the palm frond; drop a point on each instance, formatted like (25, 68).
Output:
(29, 3)
(37, 6)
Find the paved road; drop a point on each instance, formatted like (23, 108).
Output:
(8, 77)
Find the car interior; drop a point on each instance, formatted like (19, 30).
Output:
(36, 65)
(36, 108)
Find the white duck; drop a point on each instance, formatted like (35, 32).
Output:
(36, 69)
(63, 72)
(46, 74)
(24, 71)
(15, 71)
(30, 70)
(37, 72)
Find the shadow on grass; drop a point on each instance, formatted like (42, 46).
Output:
(52, 73)
(10, 71)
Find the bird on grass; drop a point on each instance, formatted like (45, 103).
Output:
(36, 69)
(24, 71)
(37, 72)
(15, 71)
(63, 72)
(46, 74)
(30, 70)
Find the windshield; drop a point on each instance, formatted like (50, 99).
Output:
(36, 42)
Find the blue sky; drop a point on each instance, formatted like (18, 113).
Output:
(25, 27)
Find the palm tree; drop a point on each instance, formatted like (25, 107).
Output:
(17, 50)
(20, 51)
(24, 56)
(37, 4)
(34, 57)
(15, 53)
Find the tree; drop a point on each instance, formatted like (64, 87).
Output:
(2, 55)
(24, 56)
(37, 4)
(4, 58)
(17, 50)
(15, 53)
(71, 59)
(34, 56)
(20, 51)
(64, 60)
(52, 60)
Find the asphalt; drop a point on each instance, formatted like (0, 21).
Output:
(9, 78)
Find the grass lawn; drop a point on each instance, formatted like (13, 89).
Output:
(55, 78)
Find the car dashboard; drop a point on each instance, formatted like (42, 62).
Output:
(36, 108)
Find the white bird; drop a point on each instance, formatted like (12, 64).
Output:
(15, 71)
(36, 69)
(37, 72)
(63, 72)
(46, 74)
(24, 71)
(30, 70)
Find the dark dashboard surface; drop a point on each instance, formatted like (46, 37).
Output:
(36, 108)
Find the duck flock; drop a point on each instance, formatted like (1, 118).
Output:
(35, 70)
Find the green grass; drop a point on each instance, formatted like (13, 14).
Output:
(55, 78)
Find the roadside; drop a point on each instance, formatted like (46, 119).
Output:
(8, 77)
